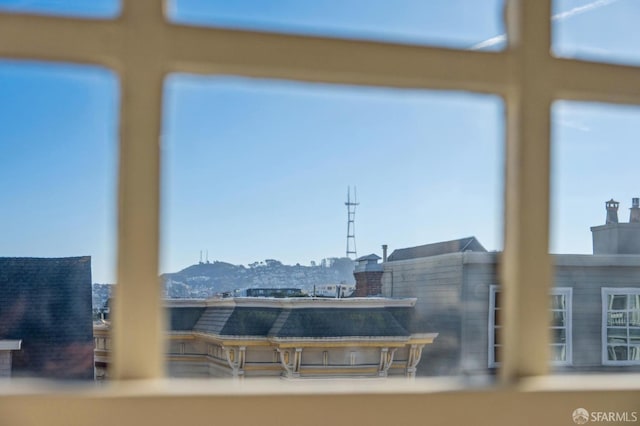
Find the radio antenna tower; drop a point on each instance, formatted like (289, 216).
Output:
(351, 222)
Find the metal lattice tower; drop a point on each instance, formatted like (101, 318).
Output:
(351, 222)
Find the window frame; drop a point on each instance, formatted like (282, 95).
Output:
(567, 292)
(607, 291)
(143, 47)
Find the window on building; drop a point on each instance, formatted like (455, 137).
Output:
(621, 326)
(594, 234)
(560, 327)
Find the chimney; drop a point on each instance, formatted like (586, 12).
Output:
(634, 214)
(618, 238)
(612, 211)
(385, 247)
(368, 275)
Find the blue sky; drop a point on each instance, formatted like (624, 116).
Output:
(257, 169)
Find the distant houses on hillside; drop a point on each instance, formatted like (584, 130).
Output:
(210, 279)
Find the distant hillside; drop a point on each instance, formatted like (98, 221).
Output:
(100, 294)
(207, 279)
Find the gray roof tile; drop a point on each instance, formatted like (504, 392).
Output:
(46, 302)
(436, 249)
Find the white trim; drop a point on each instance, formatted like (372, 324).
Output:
(605, 292)
(594, 260)
(567, 292)
(10, 345)
(322, 302)
(293, 302)
(493, 289)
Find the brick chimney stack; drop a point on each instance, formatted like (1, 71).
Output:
(612, 211)
(368, 275)
(634, 214)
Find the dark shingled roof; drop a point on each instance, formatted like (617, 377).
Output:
(47, 304)
(184, 319)
(302, 322)
(239, 321)
(213, 320)
(435, 249)
(337, 322)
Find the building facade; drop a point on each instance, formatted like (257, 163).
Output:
(594, 306)
(288, 337)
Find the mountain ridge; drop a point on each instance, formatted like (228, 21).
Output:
(207, 279)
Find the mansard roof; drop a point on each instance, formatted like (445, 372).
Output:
(301, 317)
(330, 322)
(237, 321)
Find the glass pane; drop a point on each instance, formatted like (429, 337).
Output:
(558, 319)
(498, 300)
(452, 23)
(498, 354)
(634, 353)
(634, 301)
(604, 30)
(557, 301)
(616, 335)
(634, 336)
(595, 237)
(617, 318)
(634, 318)
(618, 353)
(257, 174)
(558, 335)
(80, 9)
(558, 352)
(617, 301)
(57, 189)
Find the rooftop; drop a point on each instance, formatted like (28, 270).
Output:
(300, 318)
(436, 249)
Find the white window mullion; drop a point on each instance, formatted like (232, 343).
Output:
(318, 59)
(587, 81)
(526, 266)
(138, 351)
(74, 40)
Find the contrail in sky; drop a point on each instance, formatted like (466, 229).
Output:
(582, 9)
(557, 17)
